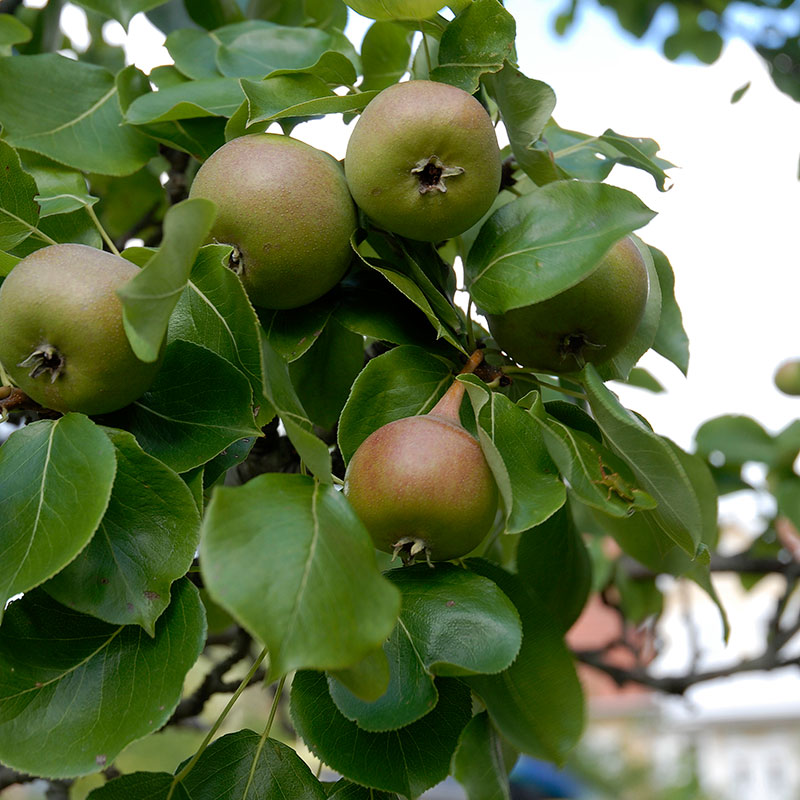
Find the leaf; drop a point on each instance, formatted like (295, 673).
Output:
(60, 190)
(196, 407)
(214, 312)
(146, 540)
(344, 790)
(452, 622)
(69, 705)
(292, 332)
(211, 97)
(537, 703)
(516, 452)
(385, 52)
(19, 213)
(412, 759)
(525, 106)
(671, 339)
(12, 31)
(740, 93)
(291, 561)
(324, 374)
(553, 558)
(298, 95)
(7, 263)
(476, 42)
(653, 462)
(543, 243)
(737, 439)
(149, 297)
(83, 129)
(138, 785)
(478, 763)
(55, 483)
(280, 392)
(121, 10)
(404, 382)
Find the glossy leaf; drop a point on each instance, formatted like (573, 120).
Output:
(18, 210)
(344, 790)
(59, 190)
(476, 42)
(213, 311)
(671, 340)
(197, 406)
(68, 705)
(419, 754)
(146, 540)
(280, 392)
(385, 52)
(478, 764)
(553, 558)
(525, 106)
(516, 452)
(292, 332)
(55, 483)
(545, 242)
(655, 465)
(138, 785)
(150, 296)
(291, 561)
(537, 703)
(84, 129)
(211, 97)
(404, 382)
(452, 622)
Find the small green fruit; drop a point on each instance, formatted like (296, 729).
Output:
(787, 377)
(61, 335)
(422, 485)
(589, 322)
(423, 160)
(396, 9)
(285, 208)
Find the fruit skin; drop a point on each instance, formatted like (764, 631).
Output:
(423, 478)
(64, 296)
(787, 377)
(396, 9)
(589, 322)
(403, 128)
(285, 207)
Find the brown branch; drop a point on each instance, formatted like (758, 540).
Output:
(740, 563)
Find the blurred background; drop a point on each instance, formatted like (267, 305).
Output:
(729, 226)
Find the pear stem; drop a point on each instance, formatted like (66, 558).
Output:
(450, 402)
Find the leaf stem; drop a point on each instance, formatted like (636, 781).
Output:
(264, 736)
(545, 384)
(337, 480)
(427, 52)
(106, 238)
(575, 147)
(215, 727)
(470, 328)
(32, 228)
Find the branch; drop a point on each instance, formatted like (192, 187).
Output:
(740, 563)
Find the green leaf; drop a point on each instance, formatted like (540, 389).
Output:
(60, 190)
(121, 10)
(525, 106)
(212, 97)
(404, 382)
(291, 561)
(476, 42)
(643, 379)
(553, 558)
(146, 540)
(7, 263)
(537, 703)
(653, 462)
(214, 312)
(280, 392)
(543, 243)
(12, 31)
(70, 704)
(516, 452)
(740, 93)
(324, 374)
(412, 759)
(19, 213)
(138, 785)
(737, 438)
(344, 790)
(150, 296)
(292, 332)
(478, 764)
(671, 339)
(55, 483)
(84, 129)
(197, 406)
(297, 96)
(453, 622)
(385, 52)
